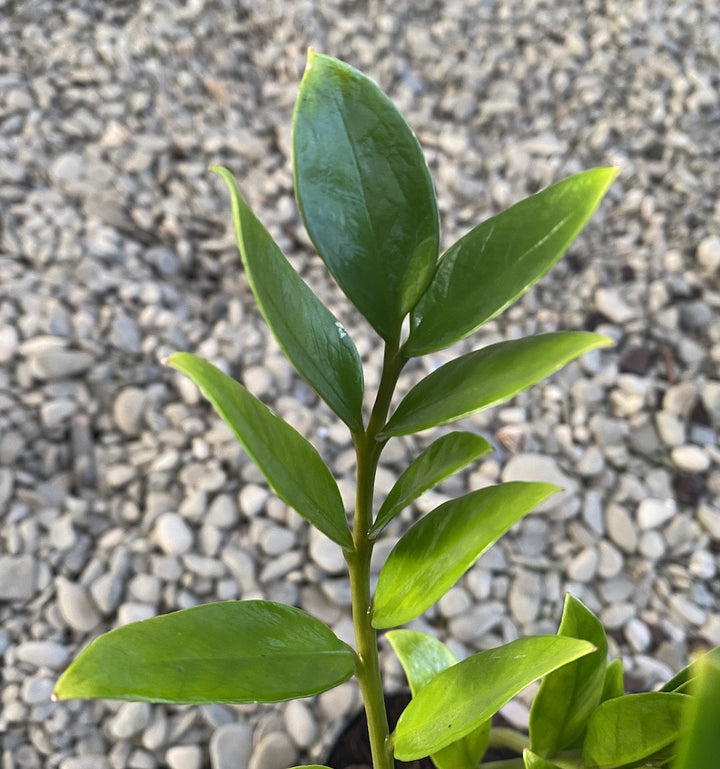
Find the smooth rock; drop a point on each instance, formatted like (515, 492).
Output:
(57, 363)
(583, 566)
(638, 635)
(9, 343)
(613, 306)
(18, 577)
(128, 410)
(184, 757)
(690, 458)
(131, 719)
(75, 605)
(173, 535)
(231, 747)
(708, 254)
(252, 499)
(652, 513)
(300, 723)
(621, 528)
(538, 467)
(326, 553)
(37, 689)
(670, 428)
(274, 751)
(47, 654)
(610, 560)
(525, 596)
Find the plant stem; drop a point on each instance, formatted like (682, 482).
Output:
(502, 737)
(367, 671)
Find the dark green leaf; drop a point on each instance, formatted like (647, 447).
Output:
(440, 459)
(233, 651)
(699, 746)
(437, 550)
(533, 761)
(422, 658)
(491, 266)
(632, 728)
(486, 377)
(309, 334)
(364, 191)
(290, 463)
(461, 698)
(568, 696)
(614, 684)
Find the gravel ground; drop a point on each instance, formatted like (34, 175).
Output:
(122, 496)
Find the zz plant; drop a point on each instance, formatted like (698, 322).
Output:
(368, 203)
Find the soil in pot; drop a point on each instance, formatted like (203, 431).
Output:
(352, 748)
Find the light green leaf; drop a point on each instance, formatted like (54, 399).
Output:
(614, 684)
(699, 746)
(683, 679)
(440, 459)
(290, 463)
(568, 696)
(533, 761)
(233, 651)
(495, 263)
(364, 191)
(464, 696)
(486, 377)
(309, 334)
(439, 548)
(632, 728)
(422, 658)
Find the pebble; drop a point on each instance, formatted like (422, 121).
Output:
(40, 654)
(670, 428)
(131, 719)
(525, 596)
(18, 577)
(538, 467)
(128, 410)
(75, 606)
(690, 458)
(173, 535)
(300, 724)
(53, 364)
(184, 757)
(231, 746)
(621, 528)
(708, 254)
(326, 553)
(653, 513)
(610, 302)
(583, 566)
(274, 751)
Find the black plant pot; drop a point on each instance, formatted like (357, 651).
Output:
(352, 747)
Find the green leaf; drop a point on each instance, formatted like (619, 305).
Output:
(614, 684)
(699, 746)
(464, 696)
(309, 334)
(439, 548)
(495, 263)
(290, 463)
(233, 651)
(364, 191)
(687, 674)
(486, 377)
(422, 658)
(439, 460)
(533, 761)
(568, 696)
(632, 728)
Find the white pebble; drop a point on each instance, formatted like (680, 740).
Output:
(75, 606)
(583, 566)
(690, 458)
(300, 723)
(184, 757)
(173, 535)
(653, 513)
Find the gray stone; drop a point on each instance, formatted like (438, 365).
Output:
(124, 334)
(653, 513)
(131, 719)
(638, 635)
(709, 517)
(274, 751)
(610, 560)
(277, 539)
(185, 757)
(173, 535)
(18, 577)
(702, 564)
(525, 596)
(47, 654)
(300, 723)
(591, 463)
(107, 591)
(57, 363)
(8, 343)
(670, 428)
(583, 566)
(690, 458)
(621, 528)
(231, 746)
(252, 499)
(222, 512)
(92, 761)
(472, 625)
(710, 397)
(613, 306)
(708, 254)
(456, 601)
(326, 553)
(538, 467)
(128, 410)
(75, 606)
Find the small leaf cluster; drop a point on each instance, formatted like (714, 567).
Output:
(368, 203)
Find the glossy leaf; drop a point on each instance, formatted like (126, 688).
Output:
(364, 191)
(699, 746)
(461, 698)
(533, 761)
(439, 548)
(568, 696)
(614, 684)
(232, 651)
(486, 377)
(681, 680)
(440, 459)
(312, 338)
(290, 463)
(422, 658)
(632, 728)
(497, 261)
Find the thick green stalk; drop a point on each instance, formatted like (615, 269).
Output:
(367, 671)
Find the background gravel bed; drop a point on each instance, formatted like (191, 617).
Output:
(122, 496)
